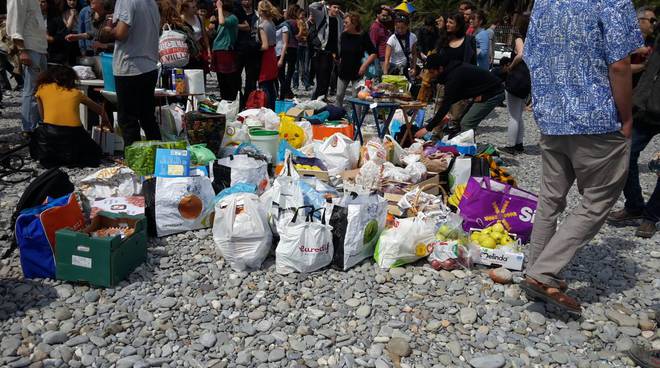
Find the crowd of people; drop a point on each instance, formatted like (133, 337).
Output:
(581, 88)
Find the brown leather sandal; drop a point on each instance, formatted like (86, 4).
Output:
(551, 295)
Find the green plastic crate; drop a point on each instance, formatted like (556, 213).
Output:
(101, 261)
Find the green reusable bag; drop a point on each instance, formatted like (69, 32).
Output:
(141, 156)
(200, 155)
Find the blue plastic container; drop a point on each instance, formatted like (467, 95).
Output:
(108, 75)
(283, 106)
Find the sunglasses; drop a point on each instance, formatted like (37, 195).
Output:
(651, 20)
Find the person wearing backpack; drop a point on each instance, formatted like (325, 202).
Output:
(401, 49)
(324, 39)
(646, 125)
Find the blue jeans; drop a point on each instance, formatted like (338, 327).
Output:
(302, 67)
(641, 136)
(29, 109)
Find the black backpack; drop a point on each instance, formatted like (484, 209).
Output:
(53, 183)
(646, 97)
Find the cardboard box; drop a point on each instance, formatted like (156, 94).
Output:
(319, 174)
(502, 257)
(133, 205)
(298, 112)
(101, 261)
(393, 199)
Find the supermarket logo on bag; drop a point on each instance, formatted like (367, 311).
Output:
(527, 215)
(501, 214)
(322, 249)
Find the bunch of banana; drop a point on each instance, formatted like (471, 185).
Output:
(456, 197)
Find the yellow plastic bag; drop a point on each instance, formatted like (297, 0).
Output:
(292, 133)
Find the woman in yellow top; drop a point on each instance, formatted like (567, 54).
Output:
(61, 139)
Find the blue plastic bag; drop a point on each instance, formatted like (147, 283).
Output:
(284, 146)
(36, 251)
(172, 163)
(237, 188)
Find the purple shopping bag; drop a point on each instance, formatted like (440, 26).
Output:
(485, 202)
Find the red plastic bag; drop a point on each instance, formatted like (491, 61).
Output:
(256, 99)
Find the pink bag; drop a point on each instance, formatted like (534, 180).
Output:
(486, 202)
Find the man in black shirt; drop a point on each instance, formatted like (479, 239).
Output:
(463, 81)
(247, 46)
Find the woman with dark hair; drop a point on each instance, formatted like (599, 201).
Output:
(188, 11)
(354, 43)
(225, 57)
(59, 50)
(61, 140)
(459, 46)
(518, 86)
(428, 36)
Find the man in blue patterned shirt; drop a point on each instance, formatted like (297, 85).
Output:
(582, 91)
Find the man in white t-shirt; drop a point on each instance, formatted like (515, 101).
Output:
(135, 33)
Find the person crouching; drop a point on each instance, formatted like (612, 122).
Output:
(61, 140)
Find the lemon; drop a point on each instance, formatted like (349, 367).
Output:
(488, 242)
(498, 227)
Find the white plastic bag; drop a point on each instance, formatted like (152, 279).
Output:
(229, 109)
(460, 172)
(404, 243)
(183, 204)
(236, 133)
(282, 200)
(84, 72)
(172, 48)
(339, 153)
(315, 105)
(357, 221)
(116, 181)
(261, 117)
(228, 171)
(171, 122)
(397, 153)
(305, 244)
(241, 232)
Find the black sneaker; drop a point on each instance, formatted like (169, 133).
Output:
(519, 148)
(645, 358)
(511, 150)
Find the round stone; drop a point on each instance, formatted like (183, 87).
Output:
(467, 316)
(399, 347)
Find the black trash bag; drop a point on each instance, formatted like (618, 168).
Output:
(55, 146)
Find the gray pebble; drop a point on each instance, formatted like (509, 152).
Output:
(54, 337)
(276, 355)
(467, 316)
(487, 361)
(399, 346)
(208, 339)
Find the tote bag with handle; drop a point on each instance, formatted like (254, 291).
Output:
(486, 202)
